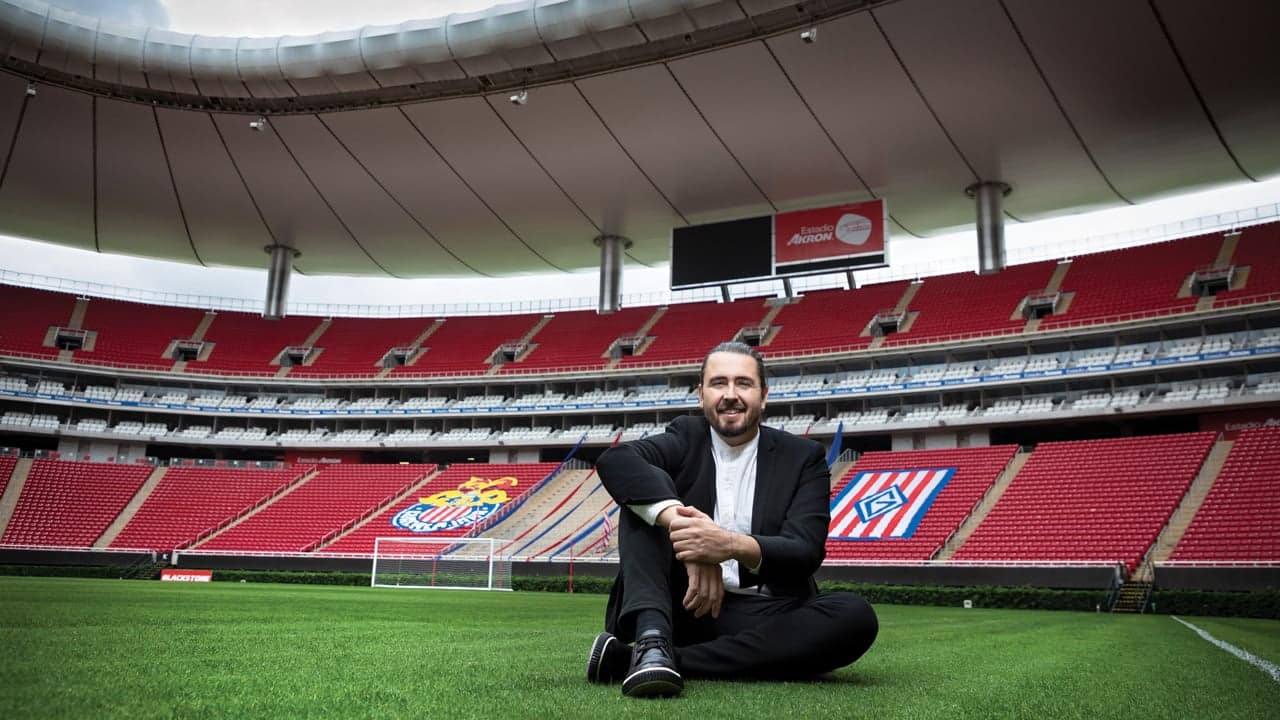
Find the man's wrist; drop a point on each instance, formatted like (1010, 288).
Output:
(666, 515)
(649, 512)
(746, 551)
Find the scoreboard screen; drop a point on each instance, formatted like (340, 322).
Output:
(723, 252)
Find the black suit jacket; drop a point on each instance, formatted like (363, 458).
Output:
(790, 513)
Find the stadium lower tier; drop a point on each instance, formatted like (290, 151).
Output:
(1127, 501)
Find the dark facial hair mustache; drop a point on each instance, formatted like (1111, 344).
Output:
(730, 406)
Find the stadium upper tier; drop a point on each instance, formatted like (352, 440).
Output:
(1202, 274)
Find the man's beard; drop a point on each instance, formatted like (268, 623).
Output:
(748, 419)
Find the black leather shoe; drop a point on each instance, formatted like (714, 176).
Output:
(653, 669)
(608, 660)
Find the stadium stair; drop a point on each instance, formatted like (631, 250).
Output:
(144, 570)
(983, 507)
(838, 470)
(314, 337)
(197, 336)
(643, 331)
(418, 342)
(375, 512)
(1228, 250)
(78, 313)
(9, 500)
(1132, 597)
(1054, 285)
(533, 331)
(1225, 254)
(775, 307)
(131, 509)
(904, 303)
(1181, 518)
(1059, 274)
(203, 327)
(310, 341)
(526, 341)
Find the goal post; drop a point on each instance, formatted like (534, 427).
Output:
(445, 563)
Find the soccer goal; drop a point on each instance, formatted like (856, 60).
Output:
(452, 563)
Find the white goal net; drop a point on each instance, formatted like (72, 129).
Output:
(453, 563)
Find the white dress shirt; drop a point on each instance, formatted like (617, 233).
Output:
(735, 494)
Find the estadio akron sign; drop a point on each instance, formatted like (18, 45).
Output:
(839, 237)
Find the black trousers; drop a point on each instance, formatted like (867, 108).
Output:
(757, 636)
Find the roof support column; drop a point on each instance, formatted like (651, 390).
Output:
(282, 257)
(989, 198)
(613, 249)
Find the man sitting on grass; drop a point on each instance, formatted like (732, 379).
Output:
(726, 523)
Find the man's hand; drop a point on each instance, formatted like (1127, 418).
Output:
(706, 589)
(697, 538)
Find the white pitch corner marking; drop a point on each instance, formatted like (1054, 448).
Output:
(1265, 666)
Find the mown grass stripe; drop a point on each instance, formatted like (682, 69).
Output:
(1265, 666)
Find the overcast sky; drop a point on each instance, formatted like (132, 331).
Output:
(301, 17)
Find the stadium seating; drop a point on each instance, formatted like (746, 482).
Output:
(579, 339)
(134, 334)
(1092, 500)
(336, 496)
(354, 346)
(684, 333)
(1135, 280)
(464, 344)
(1240, 518)
(527, 476)
(189, 501)
(246, 344)
(968, 303)
(1104, 286)
(831, 318)
(975, 471)
(26, 314)
(70, 504)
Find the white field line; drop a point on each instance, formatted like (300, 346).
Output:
(1265, 666)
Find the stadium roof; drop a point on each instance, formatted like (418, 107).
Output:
(396, 150)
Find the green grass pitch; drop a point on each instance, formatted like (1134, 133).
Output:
(72, 648)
